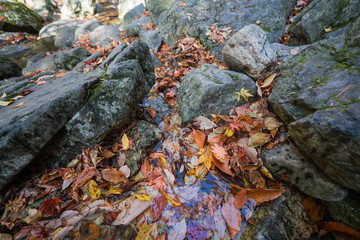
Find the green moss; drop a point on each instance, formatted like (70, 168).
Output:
(345, 59)
(266, 28)
(95, 91)
(319, 81)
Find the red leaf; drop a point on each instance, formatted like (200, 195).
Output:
(24, 93)
(49, 206)
(158, 206)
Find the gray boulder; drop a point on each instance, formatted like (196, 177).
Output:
(250, 52)
(8, 68)
(309, 26)
(150, 135)
(67, 114)
(134, 29)
(301, 172)
(19, 18)
(126, 5)
(134, 13)
(103, 34)
(60, 60)
(64, 37)
(49, 31)
(318, 95)
(208, 90)
(195, 19)
(285, 52)
(14, 51)
(283, 218)
(42, 7)
(77, 8)
(152, 38)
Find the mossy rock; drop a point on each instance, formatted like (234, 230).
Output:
(18, 18)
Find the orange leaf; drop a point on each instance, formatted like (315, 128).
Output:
(182, 4)
(106, 153)
(263, 195)
(145, 167)
(61, 74)
(220, 153)
(232, 217)
(240, 199)
(314, 209)
(151, 111)
(199, 138)
(223, 166)
(85, 175)
(342, 230)
(112, 175)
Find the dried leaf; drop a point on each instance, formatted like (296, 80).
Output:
(94, 190)
(158, 206)
(178, 231)
(232, 217)
(258, 139)
(3, 95)
(314, 209)
(172, 201)
(268, 81)
(125, 170)
(49, 205)
(169, 176)
(85, 175)
(203, 123)
(266, 173)
(151, 111)
(33, 216)
(142, 197)
(250, 152)
(144, 231)
(125, 142)
(112, 175)
(199, 138)
(106, 153)
(240, 199)
(224, 167)
(272, 123)
(342, 230)
(5, 103)
(205, 157)
(243, 93)
(220, 153)
(263, 195)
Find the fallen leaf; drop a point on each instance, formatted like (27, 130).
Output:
(125, 142)
(142, 197)
(94, 190)
(172, 201)
(258, 22)
(205, 157)
(106, 153)
(178, 231)
(272, 123)
(314, 209)
(158, 206)
(33, 216)
(182, 4)
(268, 81)
(342, 230)
(240, 199)
(250, 152)
(40, 82)
(151, 111)
(112, 175)
(220, 153)
(20, 104)
(263, 195)
(5, 103)
(243, 93)
(258, 139)
(145, 167)
(3, 95)
(328, 29)
(169, 176)
(232, 217)
(125, 170)
(85, 175)
(224, 167)
(203, 123)
(266, 173)
(199, 138)
(50, 205)
(144, 231)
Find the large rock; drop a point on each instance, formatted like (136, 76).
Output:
(250, 52)
(208, 90)
(18, 18)
(309, 26)
(103, 34)
(318, 95)
(67, 114)
(134, 13)
(43, 7)
(60, 60)
(14, 51)
(176, 21)
(283, 159)
(126, 5)
(284, 218)
(150, 135)
(77, 8)
(8, 68)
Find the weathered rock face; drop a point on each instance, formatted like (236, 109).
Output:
(318, 95)
(284, 218)
(8, 69)
(150, 135)
(302, 172)
(19, 18)
(60, 60)
(195, 19)
(132, 14)
(309, 26)
(14, 51)
(126, 5)
(103, 34)
(64, 115)
(208, 90)
(41, 6)
(77, 8)
(250, 52)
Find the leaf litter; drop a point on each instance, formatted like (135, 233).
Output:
(203, 182)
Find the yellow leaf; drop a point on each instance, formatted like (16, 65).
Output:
(258, 139)
(20, 104)
(266, 172)
(328, 29)
(243, 93)
(272, 123)
(5, 103)
(172, 201)
(144, 198)
(268, 81)
(205, 157)
(144, 231)
(95, 192)
(113, 190)
(229, 132)
(258, 22)
(125, 142)
(3, 95)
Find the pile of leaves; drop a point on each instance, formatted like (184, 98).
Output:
(217, 35)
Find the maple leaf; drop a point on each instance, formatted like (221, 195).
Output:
(220, 153)
(205, 157)
(49, 205)
(243, 93)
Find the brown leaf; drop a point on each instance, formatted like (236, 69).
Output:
(85, 176)
(125, 170)
(314, 209)
(158, 206)
(263, 195)
(250, 152)
(342, 230)
(240, 199)
(258, 139)
(272, 123)
(220, 153)
(232, 217)
(222, 166)
(151, 111)
(112, 175)
(199, 138)
(203, 123)
(106, 153)
(121, 159)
